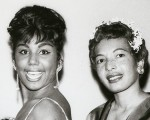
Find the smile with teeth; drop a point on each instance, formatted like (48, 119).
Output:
(34, 76)
(115, 78)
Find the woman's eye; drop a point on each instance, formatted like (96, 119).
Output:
(23, 52)
(120, 55)
(44, 52)
(100, 61)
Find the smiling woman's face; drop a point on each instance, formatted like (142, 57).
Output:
(115, 65)
(36, 63)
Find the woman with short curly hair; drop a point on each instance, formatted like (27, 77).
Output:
(119, 57)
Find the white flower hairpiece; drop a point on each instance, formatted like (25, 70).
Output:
(137, 41)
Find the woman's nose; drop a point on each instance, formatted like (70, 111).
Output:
(110, 65)
(33, 60)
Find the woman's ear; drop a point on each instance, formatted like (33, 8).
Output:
(60, 63)
(140, 66)
(14, 64)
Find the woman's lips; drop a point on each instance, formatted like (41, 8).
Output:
(34, 76)
(114, 78)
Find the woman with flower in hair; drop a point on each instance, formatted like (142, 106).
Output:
(37, 36)
(119, 57)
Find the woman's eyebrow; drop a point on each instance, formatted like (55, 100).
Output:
(45, 43)
(120, 49)
(99, 55)
(22, 44)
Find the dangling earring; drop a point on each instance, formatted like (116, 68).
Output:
(17, 81)
(17, 85)
(17, 88)
(57, 71)
(57, 81)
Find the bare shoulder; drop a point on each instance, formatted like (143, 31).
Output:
(46, 109)
(63, 102)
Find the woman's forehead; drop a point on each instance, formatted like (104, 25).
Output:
(112, 44)
(35, 40)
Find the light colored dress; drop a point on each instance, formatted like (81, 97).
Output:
(142, 112)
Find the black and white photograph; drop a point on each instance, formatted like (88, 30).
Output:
(75, 60)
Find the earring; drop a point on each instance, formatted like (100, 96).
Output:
(14, 65)
(57, 81)
(17, 88)
(17, 85)
(57, 71)
(140, 70)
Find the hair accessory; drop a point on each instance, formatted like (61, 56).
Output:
(137, 41)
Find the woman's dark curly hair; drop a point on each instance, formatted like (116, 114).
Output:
(43, 22)
(117, 30)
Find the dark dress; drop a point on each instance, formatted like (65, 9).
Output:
(142, 112)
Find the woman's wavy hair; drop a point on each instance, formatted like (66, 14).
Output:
(45, 23)
(117, 30)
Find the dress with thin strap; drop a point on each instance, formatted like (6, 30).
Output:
(37, 104)
(41, 101)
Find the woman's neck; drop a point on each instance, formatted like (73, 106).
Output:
(35, 94)
(130, 97)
